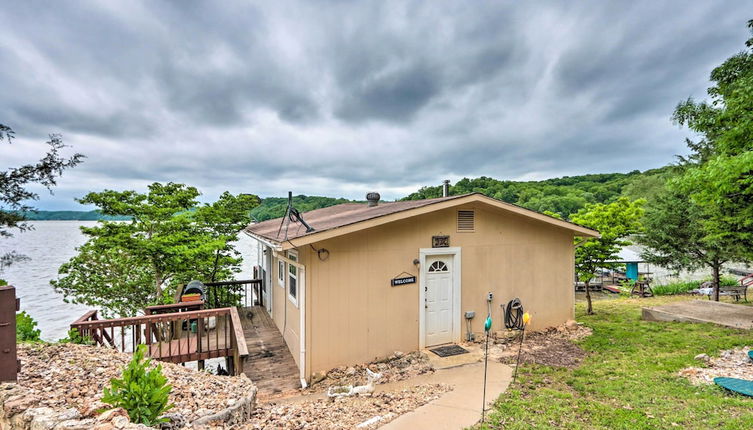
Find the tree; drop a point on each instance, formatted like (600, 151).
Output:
(615, 222)
(125, 266)
(14, 182)
(675, 236)
(719, 175)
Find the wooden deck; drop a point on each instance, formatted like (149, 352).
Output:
(270, 364)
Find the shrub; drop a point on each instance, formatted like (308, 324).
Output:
(75, 337)
(682, 287)
(25, 328)
(143, 393)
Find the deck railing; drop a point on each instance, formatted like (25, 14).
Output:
(233, 293)
(171, 335)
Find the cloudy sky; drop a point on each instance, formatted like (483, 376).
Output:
(338, 98)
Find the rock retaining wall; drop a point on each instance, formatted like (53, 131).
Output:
(17, 412)
(60, 387)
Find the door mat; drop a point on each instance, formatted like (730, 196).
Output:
(449, 350)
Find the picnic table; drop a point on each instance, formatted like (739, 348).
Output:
(735, 291)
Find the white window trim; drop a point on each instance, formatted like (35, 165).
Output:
(457, 291)
(284, 271)
(293, 255)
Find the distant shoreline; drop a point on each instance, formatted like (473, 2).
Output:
(71, 216)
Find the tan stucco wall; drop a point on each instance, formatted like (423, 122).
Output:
(285, 313)
(356, 316)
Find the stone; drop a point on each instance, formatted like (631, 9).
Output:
(174, 421)
(350, 371)
(111, 414)
(76, 424)
(120, 421)
(571, 324)
(318, 377)
(702, 357)
(42, 418)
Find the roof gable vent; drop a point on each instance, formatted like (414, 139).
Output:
(466, 221)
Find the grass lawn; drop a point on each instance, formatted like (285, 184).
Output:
(629, 379)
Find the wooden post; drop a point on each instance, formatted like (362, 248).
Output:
(9, 364)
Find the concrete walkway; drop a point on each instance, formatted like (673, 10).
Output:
(458, 408)
(702, 311)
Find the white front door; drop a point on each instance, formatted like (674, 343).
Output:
(439, 299)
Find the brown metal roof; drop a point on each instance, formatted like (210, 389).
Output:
(346, 214)
(335, 216)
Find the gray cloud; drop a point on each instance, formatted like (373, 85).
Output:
(338, 98)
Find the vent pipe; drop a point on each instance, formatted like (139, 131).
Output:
(445, 188)
(373, 199)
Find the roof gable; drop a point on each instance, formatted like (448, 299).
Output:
(349, 217)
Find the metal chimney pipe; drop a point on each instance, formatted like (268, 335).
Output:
(445, 188)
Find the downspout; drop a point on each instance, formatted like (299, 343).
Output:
(302, 307)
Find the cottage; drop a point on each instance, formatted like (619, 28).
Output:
(355, 282)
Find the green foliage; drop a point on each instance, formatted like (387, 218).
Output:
(144, 393)
(274, 207)
(125, 266)
(26, 330)
(19, 185)
(564, 196)
(676, 235)
(73, 336)
(719, 177)
(615, 222)
(682, 287)
(628, 378)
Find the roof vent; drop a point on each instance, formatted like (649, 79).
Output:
(466, 221)
(373, 199)
(445, 188)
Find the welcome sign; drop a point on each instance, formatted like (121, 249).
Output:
(402, 281)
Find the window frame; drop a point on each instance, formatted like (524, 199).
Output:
(292, 275)
(281, 272)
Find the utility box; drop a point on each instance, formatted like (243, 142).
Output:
(9, 364)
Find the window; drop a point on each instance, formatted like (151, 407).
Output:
(466, 221)
(438, 266)
(293, 278)
(281, 273)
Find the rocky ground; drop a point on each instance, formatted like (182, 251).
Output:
(551, 347)
(732, 363)
(61, 376)
(396, 367)
(367, 412)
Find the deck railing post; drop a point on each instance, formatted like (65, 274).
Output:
(9, 364)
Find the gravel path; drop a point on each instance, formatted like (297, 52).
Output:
(731, 363)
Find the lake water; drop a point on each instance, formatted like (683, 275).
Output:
(50, 244)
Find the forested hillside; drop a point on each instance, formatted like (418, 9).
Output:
(563, 196)
(274, 207)
(69, 216)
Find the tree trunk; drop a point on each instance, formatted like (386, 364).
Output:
(715, 280)
(589, 307)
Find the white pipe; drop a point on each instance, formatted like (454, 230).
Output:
(302, 303)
